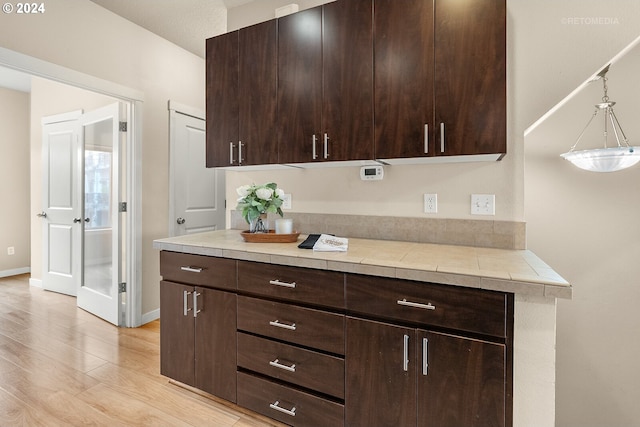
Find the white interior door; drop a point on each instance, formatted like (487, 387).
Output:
(197, 192)
(62, 237)
(98, 290)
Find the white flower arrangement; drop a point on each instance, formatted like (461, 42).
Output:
(256, 200)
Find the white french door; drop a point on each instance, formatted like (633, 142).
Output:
(84, 248)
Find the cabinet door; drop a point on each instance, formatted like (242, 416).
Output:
(299, 85)
(403, 50)
(215, 342)
(222, 99)
(258, 94)
(347, 99)
(380, 375)
(463, 384)
(176, 332)
(470, 76)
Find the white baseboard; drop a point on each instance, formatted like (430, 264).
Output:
(36, 283)
(15, 271)
(150, 316)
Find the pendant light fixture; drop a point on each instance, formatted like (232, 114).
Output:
(606, 159)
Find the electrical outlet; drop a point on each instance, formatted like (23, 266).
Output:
(483, 204)
(286, 201)
(430, 203)
(11, 250)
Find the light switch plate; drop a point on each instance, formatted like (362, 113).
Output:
(483, 204)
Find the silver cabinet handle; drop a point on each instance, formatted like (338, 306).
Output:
(276, 363)
(276, 405)
(186, 308)
(285, 284)
(442, 137)
(313, 147)
(191, 269)
(406, 303)
(279, 324)
(425, 356)
(405, 354)
(195, 303)
(181, 221)
(426, 138)
(326, 146)
(42, 214)
(240, 159)
(231, 147)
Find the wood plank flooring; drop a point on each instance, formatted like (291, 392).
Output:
(61, 366)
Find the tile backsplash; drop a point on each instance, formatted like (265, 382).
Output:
(480, 233)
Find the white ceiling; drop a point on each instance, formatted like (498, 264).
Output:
(186, 23)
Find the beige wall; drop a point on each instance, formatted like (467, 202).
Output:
(87, 38)
(49, 98)
(587, 225)
(14, 181)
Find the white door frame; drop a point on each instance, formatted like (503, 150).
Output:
(36, 67)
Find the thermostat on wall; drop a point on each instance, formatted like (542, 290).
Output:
(371, 173)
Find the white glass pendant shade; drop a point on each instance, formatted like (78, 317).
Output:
(604, 159)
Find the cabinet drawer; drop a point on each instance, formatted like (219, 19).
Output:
(287, 405)
(318, 287)
(298, 325)
(451, 307)
(198, 270)
(306, 368)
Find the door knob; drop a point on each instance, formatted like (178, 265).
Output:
(181, 221)
(87, 219)
(76, 220)
(42, 214)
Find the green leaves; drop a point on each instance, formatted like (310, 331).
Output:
(259, 199)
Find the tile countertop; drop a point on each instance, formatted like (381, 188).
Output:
(517, 271)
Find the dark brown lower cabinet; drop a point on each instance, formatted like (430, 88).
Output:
(400, 376)
(198, 338)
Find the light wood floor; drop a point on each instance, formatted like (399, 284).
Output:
(61, 366)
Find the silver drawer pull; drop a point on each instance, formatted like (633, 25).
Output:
(276, 405)
(406, 303)
(185, 306)
(191, 269)
(425, 356)
(285, 284)
(276, 364)
(277, 323)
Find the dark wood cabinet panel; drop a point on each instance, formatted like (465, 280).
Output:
(293, 324)
(403, 48)
(306, 368)
(458, 308)
(215, 343)
(257, 93)
(302, 409)
(470, 76)
(222, 99)
(316, 287)
(347, 98)
(198, 270)
(464, 385)
(177, 334)
(299, 85)
(380, 388)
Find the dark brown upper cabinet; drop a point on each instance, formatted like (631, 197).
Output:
(325, 83)
(440, 77)
(241, 97)
(470, 77)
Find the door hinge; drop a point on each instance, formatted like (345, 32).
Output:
(122, 207)
(122, 287)
(123, 126)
